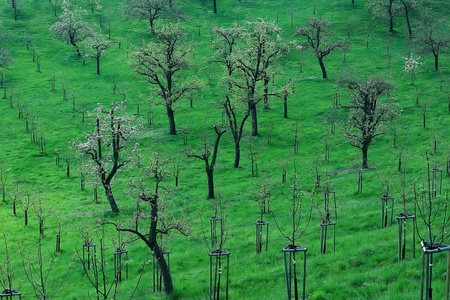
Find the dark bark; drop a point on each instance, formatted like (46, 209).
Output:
(365, 150)
(170, 115)
(215, 6)
(111, 199)
(237, 154)
(253, 113)
(322, 67)
(98, 64)
(210, 175)
(285, 107)
(408, 24)
(266, 93)
(436, 61)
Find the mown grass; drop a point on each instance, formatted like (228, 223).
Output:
(365, 263)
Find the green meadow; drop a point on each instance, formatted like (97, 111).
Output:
(365, 264)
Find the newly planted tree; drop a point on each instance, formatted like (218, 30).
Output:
(163, 63)
(368, 115)
(71, 27)
(109, 146)
(319, 40)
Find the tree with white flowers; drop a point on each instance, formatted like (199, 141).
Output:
(411, 65)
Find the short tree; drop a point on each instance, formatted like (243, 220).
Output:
(113, 131)
(98, 45)
(432, 36)
(71, 27)
(162, 62)
(319, 40)
(367, 114)
(5, 56)
(150, 10)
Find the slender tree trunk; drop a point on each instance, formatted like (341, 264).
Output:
(98, 65)
(266, 93)
(152, 27)
(322, 66)
(170, 115)
(391, 22)
(285, 107)
(237, 154)
(353, 1)
(252, 107)
(210, 174)
(408, 24)
(215, 6)
(436, 61)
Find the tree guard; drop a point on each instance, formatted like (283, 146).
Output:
(290, 270)
(157, 276)
(436, 182)
(89, 252)
(218, 271)
(260, 244)
(323, 235)
(119, 264)
(427, 269)
(216, 226)
(401, 223)
(8, 294)
(385, 209)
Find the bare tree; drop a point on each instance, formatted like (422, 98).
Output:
(386, 9)
(7, 273)
(432, 36)
(38, 274)
(3, 177)
(113, 130)
(150, 10)
(209, 165)
(163, 63)
(71, 27)
(367, 114)
(98, 45)
(319, 39)
(408, 7)
(5, 56)
(27, 199)
(227, 40)
(160, 221)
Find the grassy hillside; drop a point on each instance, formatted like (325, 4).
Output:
(365, 264)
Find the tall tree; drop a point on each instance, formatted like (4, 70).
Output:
(151, 192)
(368, 116)
(163, 63)
(98, 45)
(319, 40)
(224, 45)
(150, 10)
(432, 36)
(262, 45)
(109, 146)
(408, 6)
(71, 27)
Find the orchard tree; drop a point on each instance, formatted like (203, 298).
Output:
(150, 10)
(71, 27)
(385, 9)
(224, 45)
(5, 57)
(98, 45)
(432, 36)
(408, 6)
(319, 40)
(153, 217)
(163, 63)
(368, 116)
(262, 45)
(109, 146)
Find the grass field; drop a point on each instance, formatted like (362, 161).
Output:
(365, 264)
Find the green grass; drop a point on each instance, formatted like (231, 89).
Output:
(365, 263)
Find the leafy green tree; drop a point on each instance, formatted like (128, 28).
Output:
(163, 63)
(319, 40)
(71, 27)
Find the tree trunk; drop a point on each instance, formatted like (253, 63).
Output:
(215, 6)
(408, 24)
(436, 61)
(353, 1)
(210, 174)
(237, 154)
(98, 65)
(322, 66)
(266, 93)
(111, 199)
(285, 107)
(172, 129)
(152, 27)
(252, 108)
(365, 149)
(164, 268)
